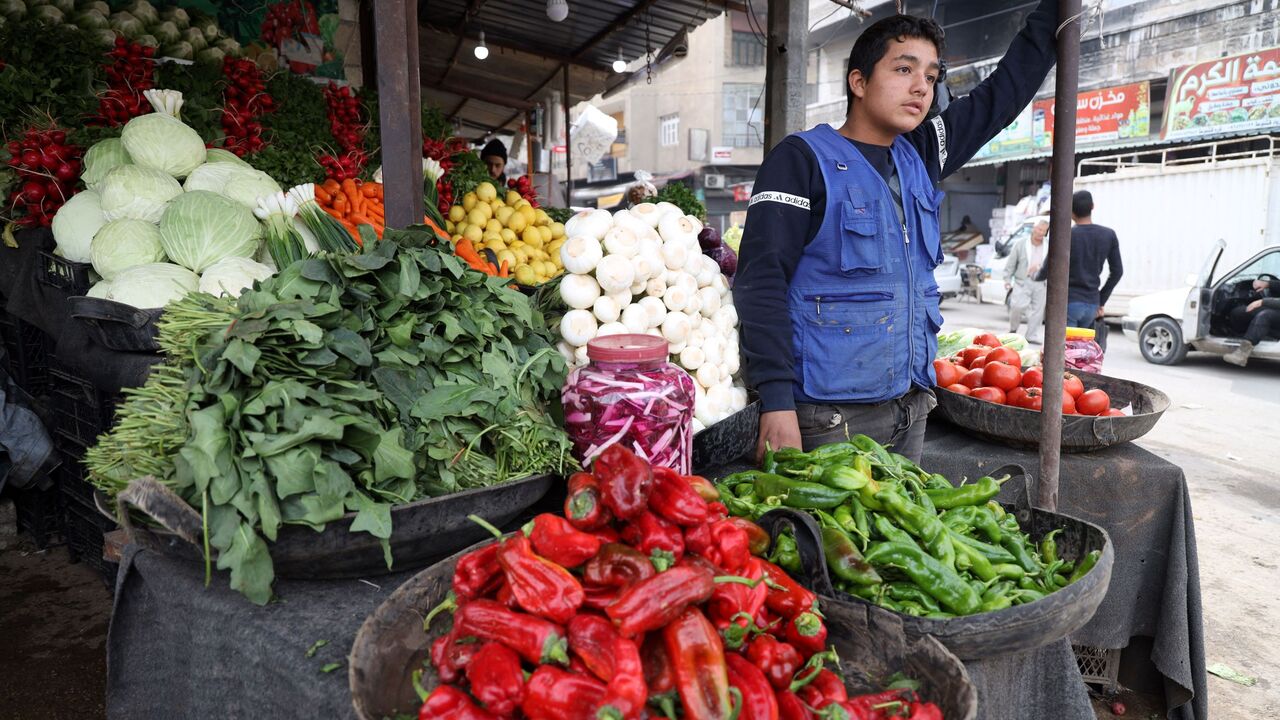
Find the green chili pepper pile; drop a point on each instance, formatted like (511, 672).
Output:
(901, 537)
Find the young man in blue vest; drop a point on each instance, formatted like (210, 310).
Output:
(838, 305)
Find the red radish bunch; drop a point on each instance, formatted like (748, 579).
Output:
(524, 186)
(244, 99)
(48, 169)
(348, 129)
(129, 69)
(286, 19)
(444, 191)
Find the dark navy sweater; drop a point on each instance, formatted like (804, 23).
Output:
(776, 233)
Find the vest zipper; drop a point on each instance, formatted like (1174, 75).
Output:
(906, 239)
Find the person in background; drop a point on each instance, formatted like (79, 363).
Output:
(494, 156)
(1028, 297)
(1260, 318)
(1092, 246)
(838, 305)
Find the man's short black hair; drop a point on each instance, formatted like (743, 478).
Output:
(871, 45)
(1082, 204)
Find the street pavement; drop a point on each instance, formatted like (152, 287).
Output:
(1223, 429)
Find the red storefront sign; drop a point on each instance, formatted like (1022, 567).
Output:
(1231, 95)
(1106, 115)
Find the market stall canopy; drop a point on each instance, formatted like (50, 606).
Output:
(527, 51)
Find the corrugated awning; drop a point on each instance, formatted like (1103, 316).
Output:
(527, 51)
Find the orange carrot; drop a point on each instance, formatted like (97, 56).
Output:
(331, 186)
(323, 196)
(504, 271)
(369, 189)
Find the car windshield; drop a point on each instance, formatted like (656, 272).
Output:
(1268, 264)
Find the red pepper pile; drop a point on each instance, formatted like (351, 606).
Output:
(48, 169)
(348, 130)
(129, 69)
(244, 100)
(286, 19)
(644, 598)
(524, 186)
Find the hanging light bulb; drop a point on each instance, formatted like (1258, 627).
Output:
(619, 65)
(557, 10)
(481, 51)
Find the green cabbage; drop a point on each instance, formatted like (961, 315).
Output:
(166, 32)
(181, 50)
(122, 244)
(104, 37)
(218, 155)
(246, 186)
(210, 28)
(229, 46)
(66, 6)
(98, 5)
(211, 56)
(152, 285)
(147, 40)
(162, 142)
(196, 38)
(91, 20)
(211, 176)
(101, 159)
(48, 15)
(13, 9)
(233, 275)
(100, 290)
(133, 191)
(75, 225)
(126, 24)
(144, 11)
(176, 15)
(199, 228)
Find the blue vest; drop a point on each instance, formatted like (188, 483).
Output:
(863, 301)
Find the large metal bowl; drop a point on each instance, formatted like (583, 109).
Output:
(1019, 427)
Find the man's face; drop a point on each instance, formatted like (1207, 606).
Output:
(496, 165)
(1038, 233)
(895, 99)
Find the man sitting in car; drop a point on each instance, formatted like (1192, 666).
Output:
(1260, 318)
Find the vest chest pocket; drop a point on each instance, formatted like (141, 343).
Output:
(927, 204)
(850, 344)
(861, 247)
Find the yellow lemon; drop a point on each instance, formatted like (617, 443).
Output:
(491, 238)
(476, 217)
(517, 222)
(508, 257)
(540, 217)
(457, 213)
(513, 197)
(527, 211)
(493, 226)
(469, 201)
(503, 214)
(486, 191)
(474, 233)
(526, 275)
(449, 226)
(545, 232)
(557, 230)
(531, 236)
(509, 235)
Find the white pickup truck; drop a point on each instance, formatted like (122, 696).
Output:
(1169, 323)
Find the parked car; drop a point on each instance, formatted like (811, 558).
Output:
(947, 275)
(1170, 323)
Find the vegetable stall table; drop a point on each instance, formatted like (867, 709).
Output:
(1143, 503)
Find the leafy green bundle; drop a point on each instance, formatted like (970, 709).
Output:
(348, 383)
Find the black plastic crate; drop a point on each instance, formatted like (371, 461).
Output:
(73, 478)
(84, 531)
(39, 513)
(61, 273)
(27, 350)
(81, 411)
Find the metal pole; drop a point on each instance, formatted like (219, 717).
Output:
(1063, 177)
(568, 147)
(784, 72)
(400, 109)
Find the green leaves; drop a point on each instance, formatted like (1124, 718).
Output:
(350, 384)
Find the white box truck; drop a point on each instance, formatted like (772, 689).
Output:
(1169, 209)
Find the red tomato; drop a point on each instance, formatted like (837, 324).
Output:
(971, 353)
(978, 362)
(990, 394)
(946, 372)
(1008, 356)
(972, 379)
(998, 374)
(1115, 412)
(1072, 385)
(1033, 378)
(1014, 397)
(1093, 402)
(1031, 399)
(960, 389)
(1068, 404)
(987, 340)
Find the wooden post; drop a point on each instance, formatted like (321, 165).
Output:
(1062, 178)
(784, 74)
(400, 109)
(568, 146)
